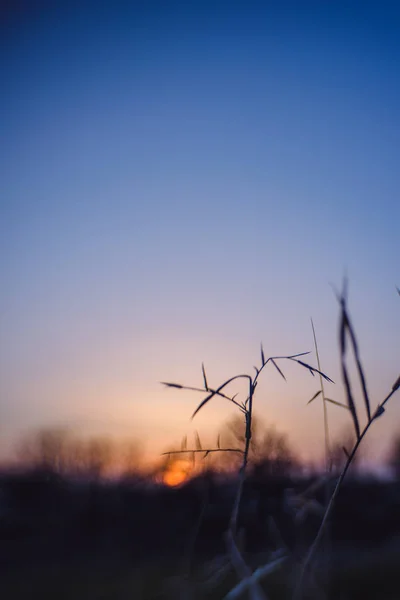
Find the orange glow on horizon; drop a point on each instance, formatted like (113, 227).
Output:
(178, 472)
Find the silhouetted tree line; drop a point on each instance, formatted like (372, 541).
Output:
(63, 507)
(60, 452)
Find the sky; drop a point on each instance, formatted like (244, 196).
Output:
(180, 182)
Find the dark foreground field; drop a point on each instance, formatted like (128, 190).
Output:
(79, 541)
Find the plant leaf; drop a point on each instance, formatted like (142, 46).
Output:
(359, 365)
(203, 402)
(379, 412)
(315, 396)
(204, 377)
(313, 370)
(337, 403)
(197, 441)
(219, 389)
(278, 369)
(262, 356)
(350, 400)
(346, 452)
(173, 385)
(396, 385)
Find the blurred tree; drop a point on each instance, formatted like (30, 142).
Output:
(130, 455)
(91, 458)
(394, 455)
(270, 450)
(58, 451)
(275, 456)
(46, 450)
(341, 446)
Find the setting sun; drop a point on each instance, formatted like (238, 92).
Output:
(177, 473)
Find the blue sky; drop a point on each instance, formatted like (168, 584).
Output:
(180, 183)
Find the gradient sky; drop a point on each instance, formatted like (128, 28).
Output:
(180, 182)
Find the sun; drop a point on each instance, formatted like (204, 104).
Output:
(177, 473)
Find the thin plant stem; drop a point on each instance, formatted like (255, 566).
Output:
(310, 555)
(203, 451)
(328, 460)
(242, 472)
(324, 404)
(244, 572)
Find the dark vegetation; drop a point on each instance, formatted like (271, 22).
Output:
(71, 528)
(53, 528)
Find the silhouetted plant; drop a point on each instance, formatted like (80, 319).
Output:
(248, 579)
(251, 580)
(347, 338)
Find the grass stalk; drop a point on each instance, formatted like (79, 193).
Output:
(325, 408)
(250, 580)
(314, 546)
(243, 571)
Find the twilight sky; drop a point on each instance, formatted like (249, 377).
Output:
(180, 182)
